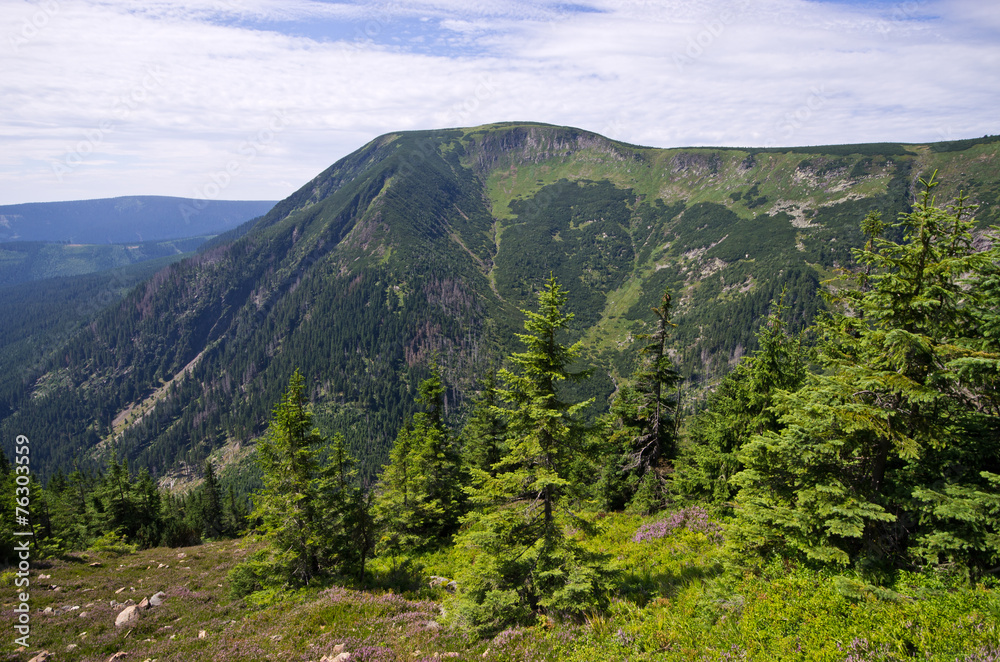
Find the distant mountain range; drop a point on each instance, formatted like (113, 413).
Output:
(422, 247)
(125, 220)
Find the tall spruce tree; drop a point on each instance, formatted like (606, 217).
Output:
(419, 498)
(288, 505)
(308, 512)
(524, 561)
(891, 454)
(643, 420)
(347, 529)
(210, 511)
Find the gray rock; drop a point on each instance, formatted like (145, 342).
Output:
(129, 616)
(157, 599)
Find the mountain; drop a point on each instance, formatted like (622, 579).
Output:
(423, 246)
(125, 220)
(24, 261)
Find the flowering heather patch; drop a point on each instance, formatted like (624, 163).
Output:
(982, 655)
(694, 518)
(507, 637)
(861, 650)
(389, 604)
(734, 654)
(373, 654)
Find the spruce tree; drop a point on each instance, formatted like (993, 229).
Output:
(643, 424)
(740, 408)
(524, 562)
(894, 442)
(288, 506)
(346, 528)
(419, 498)
(484, 436)
(211, 511)
(310, 514)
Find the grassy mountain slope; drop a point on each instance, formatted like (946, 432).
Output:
(422, 246)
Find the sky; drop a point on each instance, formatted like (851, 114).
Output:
(251, 99)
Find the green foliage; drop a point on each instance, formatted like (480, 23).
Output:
(484, 437)
(546, 431)
(347, 523)
(875, 461)
(864, 149)
(419, 498)
(960, 523)
(644, 424)
(522, 567)
(577, 231)
(740, 408)
(961, 145)
(524, 561)
(113, 544)
(313, 517)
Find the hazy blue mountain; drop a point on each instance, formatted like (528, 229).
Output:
(125, 220)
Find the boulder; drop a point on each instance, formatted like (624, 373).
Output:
(127, 617)
(449, 585)
(157, 599)
(42, 657)
(338, 655)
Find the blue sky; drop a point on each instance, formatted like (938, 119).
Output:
(250, 99)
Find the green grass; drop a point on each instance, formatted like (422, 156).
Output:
(674, 601)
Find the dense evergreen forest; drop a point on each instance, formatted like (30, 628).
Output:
(866, 443)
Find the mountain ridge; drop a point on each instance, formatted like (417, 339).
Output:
(424, 245)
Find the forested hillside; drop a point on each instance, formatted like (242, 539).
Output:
(428, 244)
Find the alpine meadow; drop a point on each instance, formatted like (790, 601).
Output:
(522, 392)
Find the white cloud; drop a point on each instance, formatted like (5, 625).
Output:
(101, 98)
